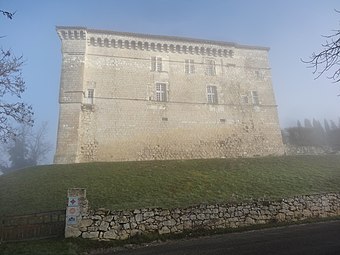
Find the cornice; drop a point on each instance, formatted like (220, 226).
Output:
(71, 33)
(136, 41)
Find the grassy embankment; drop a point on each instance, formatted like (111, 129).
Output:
(128, 185)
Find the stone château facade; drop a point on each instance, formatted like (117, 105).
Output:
(127, 96)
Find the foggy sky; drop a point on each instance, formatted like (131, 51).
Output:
(292, 29)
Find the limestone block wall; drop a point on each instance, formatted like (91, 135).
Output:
(104, 224)
(125, 121)
(70, 98)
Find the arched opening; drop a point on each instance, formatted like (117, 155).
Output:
(140, 45)
(133, 45)
(106, 42)
(99, 42)
(113, 43)
(120, 44)
(202, 50)
(127, 44)
(146, 45)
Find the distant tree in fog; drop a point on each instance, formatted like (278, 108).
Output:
(299, 124)
(326, 124)
(333, 125)
(313, 134)
(28, 148)
(308, 123)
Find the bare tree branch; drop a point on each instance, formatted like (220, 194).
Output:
(328, 59)
(7, 14)
(12, 86)
(38, 145)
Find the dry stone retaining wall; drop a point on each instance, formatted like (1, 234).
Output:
(104, 224)
(307, 150)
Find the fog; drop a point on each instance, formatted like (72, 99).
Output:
(292, 29)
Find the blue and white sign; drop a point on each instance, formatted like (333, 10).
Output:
(73, 201)
(71, 220)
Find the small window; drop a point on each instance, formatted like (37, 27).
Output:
(255, 97)
(189, 66)
(156, 64)
(210, 67)
(244, 99)
(89, 96)
(212, 94)
(258, 75)
(161, 93)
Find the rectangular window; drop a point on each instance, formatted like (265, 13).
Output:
(189, 66)
(212, 94)
(161, 93)
(89, 96)
(210, 67)
(255, 97)
(244, 99)
(258, 75)
(156, 64)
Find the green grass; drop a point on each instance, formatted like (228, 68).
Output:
(128, 185)
(56, 247)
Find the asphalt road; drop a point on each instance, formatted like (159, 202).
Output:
(317, 238)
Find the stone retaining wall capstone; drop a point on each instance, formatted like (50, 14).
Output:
(103, 224)
(294, 150)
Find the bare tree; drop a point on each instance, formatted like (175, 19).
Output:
(328, 59)
(38, 146)
(28, 148)
(12, 86)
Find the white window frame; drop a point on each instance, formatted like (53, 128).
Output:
(255, 97)
(210, 68)
(161, 93)
(156, 64)
(189, 66)
(212, 94)
(244, 99)
(89, 96)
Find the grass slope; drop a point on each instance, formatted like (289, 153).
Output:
(128, 185)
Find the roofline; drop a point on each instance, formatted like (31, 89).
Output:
(165, 37)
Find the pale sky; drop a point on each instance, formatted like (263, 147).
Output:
(292, 29)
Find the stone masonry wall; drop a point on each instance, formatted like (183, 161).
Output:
(104, 224)
(126, 120)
